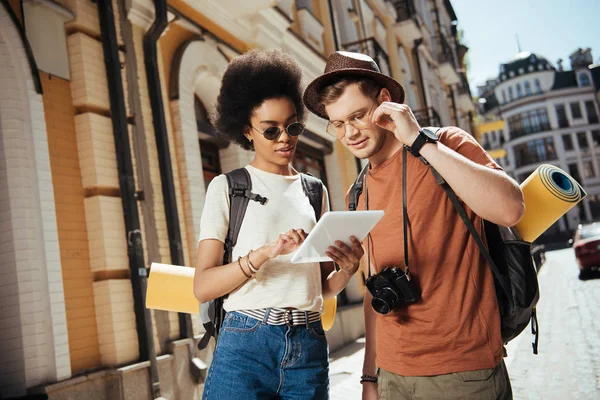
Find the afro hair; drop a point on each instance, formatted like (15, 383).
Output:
(249, 81)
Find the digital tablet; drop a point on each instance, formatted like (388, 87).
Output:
(333, 226)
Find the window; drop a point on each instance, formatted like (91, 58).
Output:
(590, 110)
(536, 151)
(510, 94)
(561, 115)
(538, 88)
(567, 142)
(528, 122)
(588, 169)
(574, 172)
(596, 137)
(582, 141)
(485, 143)
(594, 202)
(503, 96)
(519, 91)
(309, 159)
(527, 88)
(211, 164)
(576, 111)
(584, 79)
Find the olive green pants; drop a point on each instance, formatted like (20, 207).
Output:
(483, 384)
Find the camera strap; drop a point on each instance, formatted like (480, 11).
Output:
(404, 215)
(405, 209)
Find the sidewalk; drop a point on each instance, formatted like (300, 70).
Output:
(345, 369)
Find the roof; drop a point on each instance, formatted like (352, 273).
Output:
(450, 10)
(564, 79)
(523, 63)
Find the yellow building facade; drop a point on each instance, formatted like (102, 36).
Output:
(104, 168)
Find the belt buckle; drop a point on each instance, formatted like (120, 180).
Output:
(288, 318)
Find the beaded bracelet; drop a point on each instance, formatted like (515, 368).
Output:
(368, 378)
(243, 271)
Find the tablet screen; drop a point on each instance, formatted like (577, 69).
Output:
(334, 226)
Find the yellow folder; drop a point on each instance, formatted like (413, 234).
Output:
(549, 193)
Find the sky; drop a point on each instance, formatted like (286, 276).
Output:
(549, 28)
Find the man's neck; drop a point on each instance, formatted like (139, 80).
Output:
(389, 147)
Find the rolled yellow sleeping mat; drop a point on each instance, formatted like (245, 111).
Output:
(328, 316)
(171, 288)
(549, 193)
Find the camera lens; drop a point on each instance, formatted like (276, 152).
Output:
(385, 301)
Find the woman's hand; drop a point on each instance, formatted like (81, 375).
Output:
(346, 257)
(286, 243)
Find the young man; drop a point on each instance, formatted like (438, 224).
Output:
(448, 343)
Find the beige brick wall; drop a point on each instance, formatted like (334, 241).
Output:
(88, 72)
(96, 146)
(86, 17)
(106, 233)
(70, 216)
(159, 211)
(115, 318)
(33, 322)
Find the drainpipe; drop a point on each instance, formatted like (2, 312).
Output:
(162, 143)
(337, 48)
(417, 43)
(453, 106)
(135, 249)
(336, 44)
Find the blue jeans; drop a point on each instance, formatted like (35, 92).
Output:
(254, 360)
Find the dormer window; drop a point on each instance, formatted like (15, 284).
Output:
(584, 79)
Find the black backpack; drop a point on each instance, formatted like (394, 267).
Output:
(240, 194)
(515, 275)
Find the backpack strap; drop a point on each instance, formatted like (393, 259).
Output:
(356, 189)
(240, 194)
(313, 189)
(471, 228)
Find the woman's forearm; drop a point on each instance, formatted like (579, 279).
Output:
(213, 282)
(335, 283)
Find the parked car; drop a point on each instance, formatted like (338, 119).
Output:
(587, 249)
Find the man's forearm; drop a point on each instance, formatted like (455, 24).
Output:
(491, 194)
(370, 363)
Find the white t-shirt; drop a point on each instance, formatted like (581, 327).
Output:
(278, 283)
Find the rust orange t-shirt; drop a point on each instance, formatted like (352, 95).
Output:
(455, 326)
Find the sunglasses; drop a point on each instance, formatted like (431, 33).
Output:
(273, 132)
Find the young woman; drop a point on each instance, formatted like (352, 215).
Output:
(271, 344)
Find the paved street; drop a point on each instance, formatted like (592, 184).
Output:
(568, 366)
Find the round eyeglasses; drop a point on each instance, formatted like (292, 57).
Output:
(338, 128)
(273, 132)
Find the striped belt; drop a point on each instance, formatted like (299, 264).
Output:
(282, 316)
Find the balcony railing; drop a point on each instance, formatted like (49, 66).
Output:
(370, 47)
(427, 117)
(463, 86)
(405, 9)
(444, 53)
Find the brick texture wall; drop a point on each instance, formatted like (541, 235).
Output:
(32, 311)
(70, 218)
